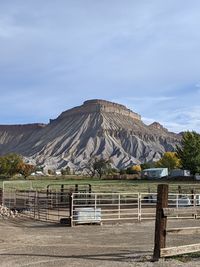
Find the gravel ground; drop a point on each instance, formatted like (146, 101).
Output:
(29, 243)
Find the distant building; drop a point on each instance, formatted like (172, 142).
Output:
(37, 173)
(197, 176)
(155, 173)
(179, 172)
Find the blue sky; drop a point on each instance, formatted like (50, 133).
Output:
(144, 54)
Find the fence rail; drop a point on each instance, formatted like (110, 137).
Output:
(86, 207)
(163, 211)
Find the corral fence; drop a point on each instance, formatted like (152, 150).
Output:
(164, 212)
(84, 206)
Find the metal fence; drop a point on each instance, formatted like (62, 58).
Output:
(86, 207)
(51, 206)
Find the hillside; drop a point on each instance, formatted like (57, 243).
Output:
(98, 128)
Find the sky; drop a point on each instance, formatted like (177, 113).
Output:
(144, 54)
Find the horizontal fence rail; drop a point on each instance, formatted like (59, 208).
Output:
(89, 207)
(100, 207)
(39, 205)
(174, 205)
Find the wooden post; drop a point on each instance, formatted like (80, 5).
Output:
(1, 196)
(61, 193)
(47, 191)
(193, 201)
(76, 188)
(90, 191)
(70, 209)
(179, 190)
(90, 188)
(161, 220)
(192, 197)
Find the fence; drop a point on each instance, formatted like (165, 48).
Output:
(38, 204)
(101, 207)
(163, 212)
(88, 207)
(104, 207)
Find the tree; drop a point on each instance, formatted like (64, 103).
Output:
(66, 171)
(26, 169)
(133, 169)
(89, 167)
(3, 165)
(50, 172)
(169, 160)
(137, 168)
(147, 165)
(10, 164)
(189, 151)
(102, 166)
(122, 171)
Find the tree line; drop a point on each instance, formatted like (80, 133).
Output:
(185, 156)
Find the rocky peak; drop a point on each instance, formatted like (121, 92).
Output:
(157, 126)
(98, 105)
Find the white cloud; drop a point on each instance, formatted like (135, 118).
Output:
(144, 54)
(179, 120)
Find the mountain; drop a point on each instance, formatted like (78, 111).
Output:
(98, 128)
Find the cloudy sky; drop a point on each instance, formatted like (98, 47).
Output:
(144, 54)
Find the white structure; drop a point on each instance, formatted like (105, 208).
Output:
(179, 172)
(197, 176)
(155, 173)
(37, 173)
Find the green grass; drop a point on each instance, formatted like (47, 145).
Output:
(111, 185)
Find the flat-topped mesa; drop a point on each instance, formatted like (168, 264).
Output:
(98, 105)
(21, 127)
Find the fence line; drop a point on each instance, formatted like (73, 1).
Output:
(85, 207)
(102, 207)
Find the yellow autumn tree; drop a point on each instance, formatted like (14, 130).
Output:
(133, 169)
(136, 168)
(169, 160)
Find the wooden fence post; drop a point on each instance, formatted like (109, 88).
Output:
(62, 193)
(1, 196)
(161, 220)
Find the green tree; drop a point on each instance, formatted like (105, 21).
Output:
(10, 164)
(66, 171)
(3, 165)
(189, 151)
(102, 166)
(122, 171)
(169, 160)
(147, 165)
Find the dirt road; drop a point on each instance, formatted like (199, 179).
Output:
(27, 243)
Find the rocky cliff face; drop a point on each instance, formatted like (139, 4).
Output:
(98, 128)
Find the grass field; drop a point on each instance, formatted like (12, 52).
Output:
(98, 185)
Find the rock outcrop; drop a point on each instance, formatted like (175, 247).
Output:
(98, 128)
(97, 105)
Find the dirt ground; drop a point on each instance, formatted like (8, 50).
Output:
(24, 242)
